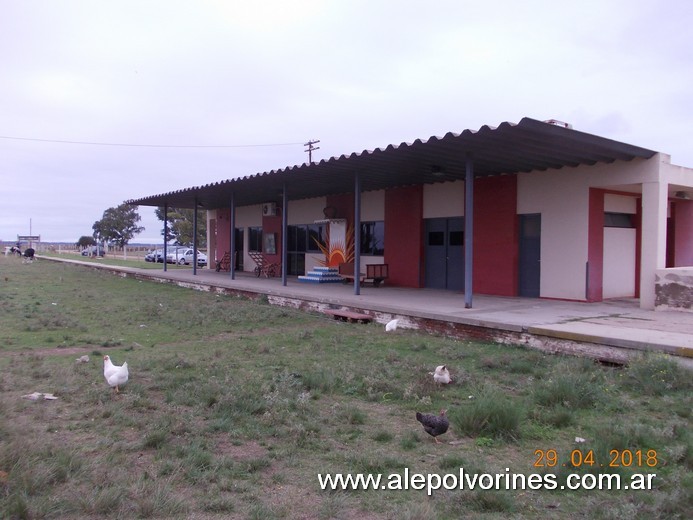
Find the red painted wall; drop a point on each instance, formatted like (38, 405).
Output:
(595, 246)
(404, 236)
(638, 245)
(344, 206)
(682, 215)
(223, 224)
(273, 225)
(496, 233)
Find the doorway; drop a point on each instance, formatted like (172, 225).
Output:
(444, 253)
(530, 255)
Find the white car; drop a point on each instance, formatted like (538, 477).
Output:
(184, 256)
(173, 253)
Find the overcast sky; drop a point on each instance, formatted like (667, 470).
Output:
(262, 78)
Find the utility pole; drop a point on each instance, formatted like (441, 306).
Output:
(310, 149)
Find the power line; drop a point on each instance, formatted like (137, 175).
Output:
(90, 143)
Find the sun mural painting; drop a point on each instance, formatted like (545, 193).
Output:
(339, 243)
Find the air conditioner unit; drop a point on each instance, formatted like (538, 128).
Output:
(269, 209)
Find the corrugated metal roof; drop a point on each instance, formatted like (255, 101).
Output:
(507, 149)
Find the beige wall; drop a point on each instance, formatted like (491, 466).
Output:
(445, 199)
(306, 211)
(619, 250)
(373, 205)
(562, 198)
(619, 263)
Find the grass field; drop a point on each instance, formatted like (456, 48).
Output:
(133, 259)
(234, 407)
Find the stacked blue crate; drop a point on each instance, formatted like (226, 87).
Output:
(322, 275)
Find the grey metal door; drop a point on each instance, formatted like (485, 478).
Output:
(530, 255)
(444, 253)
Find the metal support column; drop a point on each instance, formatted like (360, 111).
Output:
(195, 238)
(285, 237)
(165, 235)
(468, 231)
(232, 237)
(357, 233)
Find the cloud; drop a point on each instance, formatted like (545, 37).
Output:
(356, 75)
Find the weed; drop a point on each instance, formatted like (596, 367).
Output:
(571, 385)
(351, 415)
(260, 511)
(557, 416)
(382, 436)
(656, 374)
(483, 442)
(416, 511)
(333, 505)
(409, 441)
(156, 500)
(451, 462)
(155, 439)
(490, 414)
(491, 502)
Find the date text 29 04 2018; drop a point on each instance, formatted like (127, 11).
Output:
(585, 458)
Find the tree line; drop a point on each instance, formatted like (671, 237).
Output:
(119, 225)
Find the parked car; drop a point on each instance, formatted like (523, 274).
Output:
(93, 251)
(173, 253)
(184, 256)
(155, 256)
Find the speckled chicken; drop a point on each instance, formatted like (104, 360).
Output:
(434, 424)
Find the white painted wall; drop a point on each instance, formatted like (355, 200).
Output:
(562, 198)
(619, 250)
(619, 263)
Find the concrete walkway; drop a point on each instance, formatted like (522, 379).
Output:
(612, 330)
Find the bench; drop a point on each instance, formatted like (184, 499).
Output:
(375, 273)
(225, 263)
(346, 271)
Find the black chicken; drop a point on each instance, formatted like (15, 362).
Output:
(434, 424)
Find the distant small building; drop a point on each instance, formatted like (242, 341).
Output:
(535, 209)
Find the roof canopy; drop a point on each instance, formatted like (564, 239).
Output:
(508, 149)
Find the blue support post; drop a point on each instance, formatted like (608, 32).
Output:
(195, 238)
(232, 237)
(357, 233)
(285, 238)
(165, 234)
(468, 231)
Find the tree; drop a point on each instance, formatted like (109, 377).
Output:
(118, 225)
(85, 241)
(180, 226)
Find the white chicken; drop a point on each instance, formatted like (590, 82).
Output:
(442, 375)
(115, 375)
(391, 326)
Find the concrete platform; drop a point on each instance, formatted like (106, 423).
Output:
(614, 330)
